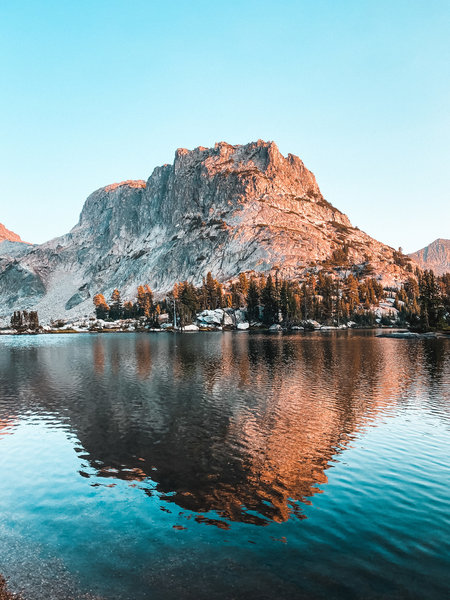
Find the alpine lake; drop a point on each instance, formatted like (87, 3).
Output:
(225, 465)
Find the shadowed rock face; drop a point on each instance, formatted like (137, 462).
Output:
(226, 209)
(435, 256)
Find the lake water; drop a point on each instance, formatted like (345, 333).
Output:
(225, 465)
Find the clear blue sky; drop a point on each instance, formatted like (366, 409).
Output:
(97, 91)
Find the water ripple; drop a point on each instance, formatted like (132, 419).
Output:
(129, 457)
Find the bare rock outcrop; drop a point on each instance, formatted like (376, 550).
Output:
(6, 234)
(435, 256)
(226, 209)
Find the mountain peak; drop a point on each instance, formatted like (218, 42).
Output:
(10, 236)
(435, 256)
(226, 209)
(248, 162)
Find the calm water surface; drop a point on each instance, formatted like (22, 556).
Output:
(225, 465)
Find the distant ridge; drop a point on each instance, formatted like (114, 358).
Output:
(7, 235)
(435, 256)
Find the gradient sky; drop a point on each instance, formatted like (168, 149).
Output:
(100, 91)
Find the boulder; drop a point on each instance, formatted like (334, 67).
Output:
(228, 320)
(211, 317)
(311, 324)
(240, 315)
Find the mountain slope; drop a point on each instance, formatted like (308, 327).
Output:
(226, 209)
(7, 235)
(435, 256)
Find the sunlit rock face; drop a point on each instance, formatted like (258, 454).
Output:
(226, 209)
(6, 234)
(435, 256)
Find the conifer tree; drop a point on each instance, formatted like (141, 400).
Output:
(128, 309)
(270, 302)
(115, 310)
(141, 301)
(243, 283)
(253, 300)
(351, 294)
(148, 306)
(188, 303)
(431, 308)
(284, 300)
(33, 320)
(101, 306)
(16, 320)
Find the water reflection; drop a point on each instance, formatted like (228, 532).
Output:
(243, 425)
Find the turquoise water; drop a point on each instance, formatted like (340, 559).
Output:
(225, 465)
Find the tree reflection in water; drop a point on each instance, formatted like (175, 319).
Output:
(242, 425)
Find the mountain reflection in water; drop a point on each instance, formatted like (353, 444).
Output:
(242, 425)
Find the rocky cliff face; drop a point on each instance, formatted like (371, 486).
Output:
(226, 209)
(7, 235)
(11, 245)
(435, 256)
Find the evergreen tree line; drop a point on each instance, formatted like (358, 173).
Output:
(423, 301)
(25, 321)
(143, 306)
(268, 300)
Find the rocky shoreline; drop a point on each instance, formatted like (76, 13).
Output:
(205, 321)
(5, 594)
(398, 334)
(392, 333)
(414, 335)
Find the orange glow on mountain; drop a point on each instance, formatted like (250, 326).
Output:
(132, 183)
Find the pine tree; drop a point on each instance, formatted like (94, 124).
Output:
(270, 302)
(148, 308)
(351, 295)
(141, 301)
(211, 293)
(33, 320)
(290, 304)
(326, 289)
(188, 303)
(284, 301)
(101, 306)
(430, 300)
(17, 320)
(115, 310)
(243, 283)
(253, 301)
(128, 309)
